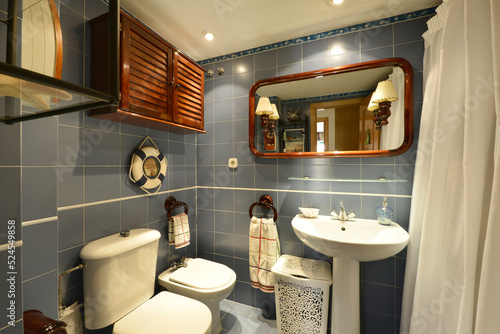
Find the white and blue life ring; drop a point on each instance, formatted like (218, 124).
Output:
(148, 167)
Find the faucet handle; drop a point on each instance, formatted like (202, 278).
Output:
(334, 213)
(351, 214)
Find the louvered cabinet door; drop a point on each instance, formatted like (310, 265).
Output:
(146, 74)
(188, 92)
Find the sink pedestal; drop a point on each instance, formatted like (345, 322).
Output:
(345, 296)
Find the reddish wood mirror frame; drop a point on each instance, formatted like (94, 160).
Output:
(408, 109)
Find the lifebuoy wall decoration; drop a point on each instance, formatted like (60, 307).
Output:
(148, 167)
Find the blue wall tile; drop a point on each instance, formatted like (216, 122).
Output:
(376, 37)
(70, 228)
(316, 64)
(39, 249)
(244, 64)
(289, 55)
(40, 142)
(101, 183)
(409, 31)
(223, 152)
(316, 49)
(38, 193)
(345, 44)
(102, 148)
(101, 220)
(44, 299)
(266, 60)
(72, 24)
(134, 213)
(69, 259)
(10, 150)
(223, 110)
(223, 87)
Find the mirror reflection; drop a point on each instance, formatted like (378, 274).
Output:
(360, 109)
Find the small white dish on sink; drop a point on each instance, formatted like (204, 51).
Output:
(309, 212)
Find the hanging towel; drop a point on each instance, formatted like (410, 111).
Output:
(264, 252)
(178, 231)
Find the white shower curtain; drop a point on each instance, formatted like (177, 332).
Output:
(392, 135)
(452, 282)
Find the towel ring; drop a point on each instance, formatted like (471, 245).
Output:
(266, 202)
(171, 203)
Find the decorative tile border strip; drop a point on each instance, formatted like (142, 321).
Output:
(330, 97)
(322, 35)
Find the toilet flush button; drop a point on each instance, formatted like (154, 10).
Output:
(232, 163)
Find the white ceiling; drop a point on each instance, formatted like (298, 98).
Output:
(332, 84)
(244, 24)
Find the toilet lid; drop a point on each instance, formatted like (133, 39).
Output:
(202, 274)
(166, 313)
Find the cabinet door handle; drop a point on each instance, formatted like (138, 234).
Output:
(178, 86)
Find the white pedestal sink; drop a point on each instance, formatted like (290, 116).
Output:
(349, 242)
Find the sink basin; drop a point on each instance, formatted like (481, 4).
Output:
(349, 242)
(358, 239)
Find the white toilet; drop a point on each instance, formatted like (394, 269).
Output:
(118, 282)
(203, 280)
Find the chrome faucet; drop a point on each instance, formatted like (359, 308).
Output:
(342, 216)
(181, 264)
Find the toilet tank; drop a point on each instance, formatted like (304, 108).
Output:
(119, 275)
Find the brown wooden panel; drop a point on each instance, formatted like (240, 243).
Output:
(147, 38)
(144, 77)
(189, 72)
(148, 73)
(152, 108)
(189, 96)
(159, 57)
(187, 109)
(99, 79)
(146, 61)
(153, 48)
(190, 84)
(139, 84)
(123, 116)
(144, 91)
(347, 122)
(151, 101)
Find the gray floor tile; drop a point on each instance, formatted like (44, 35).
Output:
(239, 318)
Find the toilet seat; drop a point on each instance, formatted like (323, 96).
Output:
(203, 274)
(166, 313)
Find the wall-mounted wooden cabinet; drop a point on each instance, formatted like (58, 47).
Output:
(159, 85)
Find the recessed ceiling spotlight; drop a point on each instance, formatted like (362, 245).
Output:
(208, 35)
(336, 2)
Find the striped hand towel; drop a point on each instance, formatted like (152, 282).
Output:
(178, 231)
(264, 252)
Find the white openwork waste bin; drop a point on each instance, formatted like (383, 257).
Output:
(302, 294)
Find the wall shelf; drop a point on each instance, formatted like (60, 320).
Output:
(45, 96)
(346, 180)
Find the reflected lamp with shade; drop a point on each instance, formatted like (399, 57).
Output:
(264, 109)
(380, 103)
(271, 143)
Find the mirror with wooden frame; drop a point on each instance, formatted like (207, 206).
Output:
(333, 112)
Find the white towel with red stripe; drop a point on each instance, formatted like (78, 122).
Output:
(178, 231)
(264, 252)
